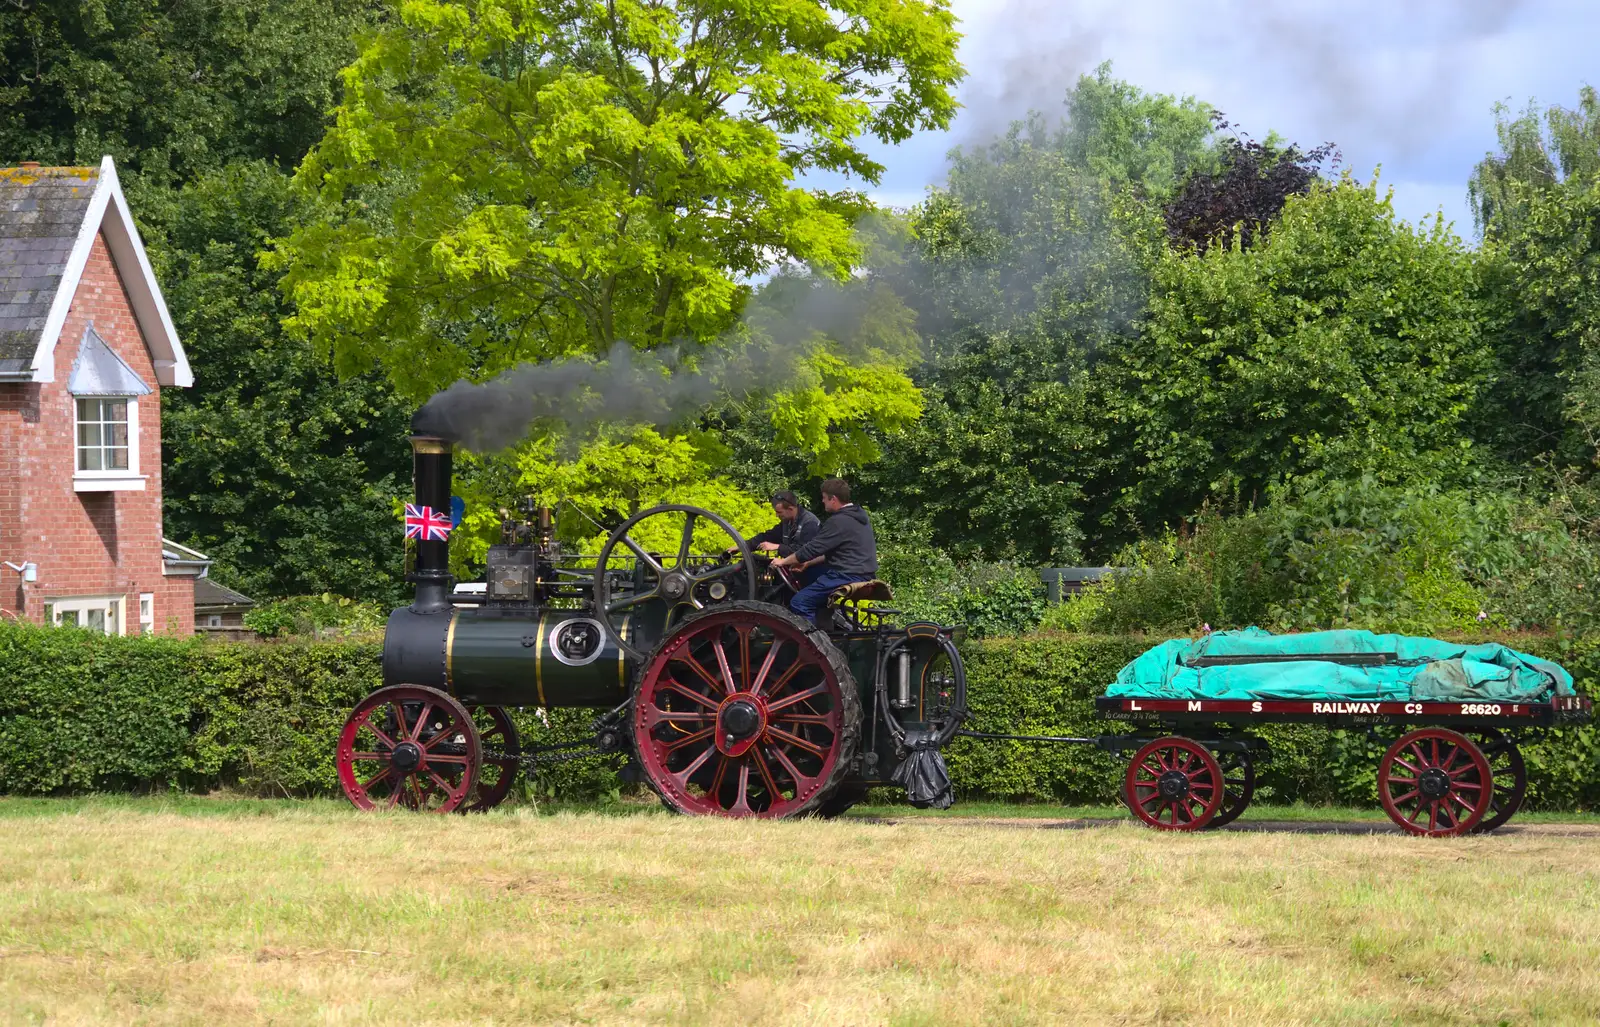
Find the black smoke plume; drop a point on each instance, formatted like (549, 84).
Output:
(662, 387)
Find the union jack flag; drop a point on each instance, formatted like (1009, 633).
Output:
(427, 524)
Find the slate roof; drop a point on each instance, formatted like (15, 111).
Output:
(41, 210)
(209, 593)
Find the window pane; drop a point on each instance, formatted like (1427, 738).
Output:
(115, 410)
(116, 434)
(88, 435)
(89, 460)
(97, 619)
(86, 410)
(69, 617)
(117, 459)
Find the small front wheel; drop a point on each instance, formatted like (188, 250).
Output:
(408, 746)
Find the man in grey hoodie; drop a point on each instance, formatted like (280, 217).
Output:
(845, 541)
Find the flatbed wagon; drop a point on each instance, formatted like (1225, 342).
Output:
(1453, 767)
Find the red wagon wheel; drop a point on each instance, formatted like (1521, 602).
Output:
(1238, 786)
(1435, 782)
(501, 746)
(408, 746)
(745, 711)
(1173, 784)
(1510, 776)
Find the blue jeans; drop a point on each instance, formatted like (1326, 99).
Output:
(814, 596)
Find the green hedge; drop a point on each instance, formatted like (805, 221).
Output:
(82, 712)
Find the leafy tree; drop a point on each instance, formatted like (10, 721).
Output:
(1538, 204)
(1345, 342)
(171, 90)
(283, 473)
(1539, 151)
(1149, 142)
(506, 184)
(1244, 193)
(1027, 265)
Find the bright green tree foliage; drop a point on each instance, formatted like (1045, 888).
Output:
(1345, 343)
(509, 181)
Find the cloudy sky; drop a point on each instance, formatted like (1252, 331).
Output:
(1405, 84)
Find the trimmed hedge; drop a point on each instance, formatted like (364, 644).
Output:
(80, 711)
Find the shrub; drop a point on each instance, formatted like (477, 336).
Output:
(1358, 554)
(325, 616)
(988, 598)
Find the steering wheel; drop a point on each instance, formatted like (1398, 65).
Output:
(670, 581)
(788, 577)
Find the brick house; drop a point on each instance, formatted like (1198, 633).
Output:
(86, 343)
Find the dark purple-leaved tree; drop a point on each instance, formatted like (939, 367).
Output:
(1244, 192)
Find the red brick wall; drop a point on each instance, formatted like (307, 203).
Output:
(85, 543)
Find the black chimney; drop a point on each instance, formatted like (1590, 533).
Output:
(431, 467)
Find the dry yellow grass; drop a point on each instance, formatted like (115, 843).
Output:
(119, 916)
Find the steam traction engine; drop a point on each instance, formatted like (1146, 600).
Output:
(722, 700)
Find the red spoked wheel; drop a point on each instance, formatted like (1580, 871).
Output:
(408, 746)
(1435, 782)
(1238, 786)
(1509, 773)
(1173, 784)
(501, 747)
(745, 710)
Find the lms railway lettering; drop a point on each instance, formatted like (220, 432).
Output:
(1344, 707)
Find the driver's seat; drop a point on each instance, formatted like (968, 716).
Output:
(860, 592)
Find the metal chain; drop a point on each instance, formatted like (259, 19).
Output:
(546, 755)
(566, 752)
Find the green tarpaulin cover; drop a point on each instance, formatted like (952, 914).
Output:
(1353, 665)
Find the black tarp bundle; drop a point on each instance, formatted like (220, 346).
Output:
(923, 773)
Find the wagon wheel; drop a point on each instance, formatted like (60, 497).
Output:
(408, 746)
(1238, 785)
(745, 710)
(668, 579)
(1173, 784)
(501, 746)
(1510, 776)
(1434, 782)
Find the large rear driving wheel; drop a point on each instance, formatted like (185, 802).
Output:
(746, 711)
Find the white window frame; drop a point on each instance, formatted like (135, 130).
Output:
(121, 479)
(147, 613)
(114, 608)
(214, 620)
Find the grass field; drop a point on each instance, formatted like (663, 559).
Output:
(162, 911)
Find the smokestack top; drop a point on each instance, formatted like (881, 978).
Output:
(431, 444)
